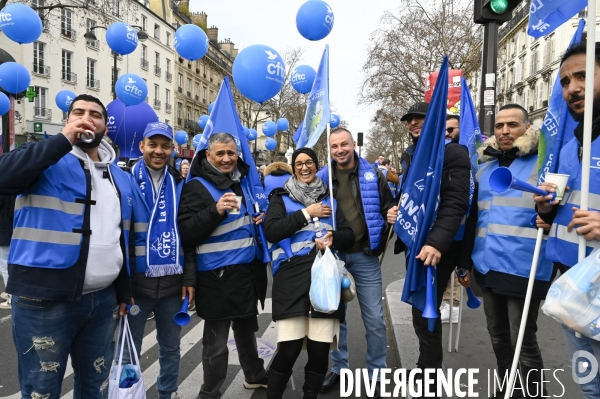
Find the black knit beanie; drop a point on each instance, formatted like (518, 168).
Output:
(307, 151)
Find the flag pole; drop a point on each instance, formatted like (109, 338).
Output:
(590, 64)
(330, 176)
(534, 264)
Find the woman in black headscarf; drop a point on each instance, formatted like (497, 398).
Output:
(289, 221)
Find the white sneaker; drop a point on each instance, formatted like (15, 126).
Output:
(445, 313)
(5, 295)
(5, 306)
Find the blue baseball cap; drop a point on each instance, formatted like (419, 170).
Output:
(154, 128)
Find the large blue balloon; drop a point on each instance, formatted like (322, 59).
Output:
(269, 128)
(4, 103)
(252, 134)
(126, 126)
(202, 121)
(181, 137)
(14, 77)
(131, 89)
(282, 124)
(303, 77)
(314, 20)
(63, 99)
(121, 38)
(191, 42)
(196, 140)
(334, 121)
(210, 107)
(259, 72)
(20, 23)
(270, 144)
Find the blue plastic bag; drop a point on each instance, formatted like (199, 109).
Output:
(574, 298)
(326, 283)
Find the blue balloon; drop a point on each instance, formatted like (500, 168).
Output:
(210, 107)
(282, 124)
(269, 128)
(191, 42)
(131, 89)
(259, 72)
(126, 126)
(302, 78)
(121, 38)
(14, 77)
(252, 134)
(181, 137)
(4, 103)
(314, 20)
(270, 144)
(202, 121)
(20, 23)
(246, 131)
(334, 121)
(196, 140)
(64, 98)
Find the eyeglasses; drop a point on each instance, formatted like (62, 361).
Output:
(450, 129)
(309, 164)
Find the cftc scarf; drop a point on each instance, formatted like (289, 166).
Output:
(162, 244)
(306, 194)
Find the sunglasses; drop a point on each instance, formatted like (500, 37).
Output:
(450, 129)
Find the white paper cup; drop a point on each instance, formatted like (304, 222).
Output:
(561, 182)
(239, 205)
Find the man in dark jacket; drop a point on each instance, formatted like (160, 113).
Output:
(364, 196)
(442, 247)
(160, 282)
(217, 234)
(69, 255)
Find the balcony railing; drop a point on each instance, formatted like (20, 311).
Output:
(42, 113)
(168, 107)
(190, 124)
(156, 103)
(189, 94)
(69, 33)
(179, 121)
(70, 77)
(95, 44)
(157, 70)
(169, 76)
(93, 83)
(144, 64)
(43, 70)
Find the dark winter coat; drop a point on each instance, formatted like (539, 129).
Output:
(7, 210)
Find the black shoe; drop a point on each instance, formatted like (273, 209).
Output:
(331, 381)
(313, 383)
(277, 383)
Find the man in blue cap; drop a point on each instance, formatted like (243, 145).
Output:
(161, 282)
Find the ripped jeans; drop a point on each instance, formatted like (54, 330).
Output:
(46, 332)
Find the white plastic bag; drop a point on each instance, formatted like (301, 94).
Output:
(137, 390)
(574, 298)
(326, 283)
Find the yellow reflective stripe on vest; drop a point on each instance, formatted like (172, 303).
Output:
(48, 236)
(140, 227)
(231, 226)
(561, 233)
(224, 246)
(480, 232)
(483, 205)
(296, 247)
(140, 250)
(127, 224)
(46, 202)
(515, 231)
(575, 198)
(524, 201)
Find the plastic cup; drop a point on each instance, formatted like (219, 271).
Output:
(561, 182)
(238, 200)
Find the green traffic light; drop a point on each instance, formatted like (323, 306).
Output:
(499, 6)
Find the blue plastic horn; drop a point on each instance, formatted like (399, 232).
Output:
(430, 312)
(502, 179)
(183, 318)
(473, 302)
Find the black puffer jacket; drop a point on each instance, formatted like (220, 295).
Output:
(235, 292)
(162, 287)
(291, 283)
(7, 210)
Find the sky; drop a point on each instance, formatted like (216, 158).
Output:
(273, 23)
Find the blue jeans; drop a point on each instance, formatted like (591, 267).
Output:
(367, 275)
(46, 332)
(168, 335)
(591, 389)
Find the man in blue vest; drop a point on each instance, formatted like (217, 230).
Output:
(217, 233)
(568, 221)
(500, 225)
(69, 256)
(365, 198)
(160, 282)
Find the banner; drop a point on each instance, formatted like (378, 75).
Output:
(454, 79)
(547, 15)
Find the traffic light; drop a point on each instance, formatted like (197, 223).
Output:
(494, 10)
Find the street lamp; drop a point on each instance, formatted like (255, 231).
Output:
(142, 36)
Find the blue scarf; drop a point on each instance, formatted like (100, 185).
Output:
(162, 245)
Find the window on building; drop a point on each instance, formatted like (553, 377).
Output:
(534, 60)
(36, 4)
(180, 82)
(157, 31)
(168, 65)
(188, 86)
(535, 96)
(204, 93)
(211, 96)
(197, 90)
(524, 67)
(67, 65)
(188, 113)
(144, 22)
(40, 100)
(549, 51)
(66, 20)
(518, 72)
(156, 95)
(167, 96)
(144, 52)
(526, 98)
(38, 57)
(115, 7)
(168, 38)
(91, 72)
(179, 110)
(157, 59)
(541, 94)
